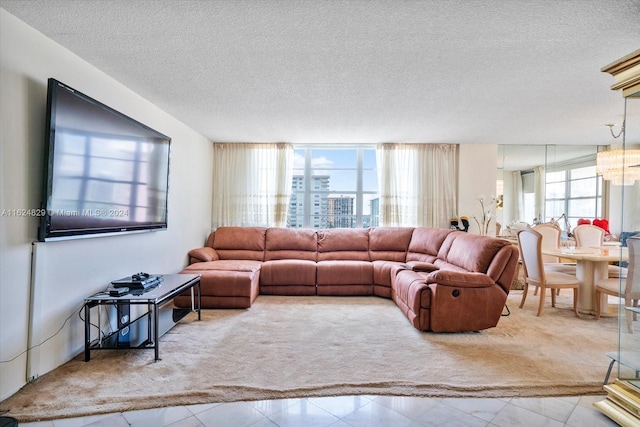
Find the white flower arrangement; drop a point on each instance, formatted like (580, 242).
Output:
(487, 214)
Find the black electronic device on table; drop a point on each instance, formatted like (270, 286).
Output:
(137, 281)
(118, 292)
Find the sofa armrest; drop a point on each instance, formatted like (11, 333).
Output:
(203, 255)
(460, 279)
(423, 266)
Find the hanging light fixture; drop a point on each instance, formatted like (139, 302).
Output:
(621, 167)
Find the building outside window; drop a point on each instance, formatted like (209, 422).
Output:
(340, 212)
(334, 188)
(318, 207)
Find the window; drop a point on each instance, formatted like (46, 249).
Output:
(334, 188)
(575, 191)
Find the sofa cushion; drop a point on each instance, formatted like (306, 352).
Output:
(471, 252)
(409, 287)
(383, 270)
(288, 272)
(338, 272)
(240, 243)
(291, 243)
(224, 265)
(425, 243)
(389, 243)
(203, 255)
(210, 239)
(343, 244)
(351, 277)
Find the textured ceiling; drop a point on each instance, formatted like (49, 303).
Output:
(492, 71)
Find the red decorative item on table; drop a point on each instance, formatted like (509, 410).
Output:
(602, 223)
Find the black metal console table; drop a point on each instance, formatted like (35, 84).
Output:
(156, 299)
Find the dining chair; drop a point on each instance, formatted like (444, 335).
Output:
(588, 235)
(551, 239)
(628, 289)
(530, 244)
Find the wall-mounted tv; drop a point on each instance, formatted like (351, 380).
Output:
(104, 172)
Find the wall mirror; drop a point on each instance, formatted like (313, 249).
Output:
(541, 183)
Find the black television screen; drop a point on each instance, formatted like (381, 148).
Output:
(104, 171)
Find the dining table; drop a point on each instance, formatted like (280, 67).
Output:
(591, 267)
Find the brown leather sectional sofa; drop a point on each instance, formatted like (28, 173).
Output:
(443, 280)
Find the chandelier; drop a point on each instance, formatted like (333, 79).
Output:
(621, 167)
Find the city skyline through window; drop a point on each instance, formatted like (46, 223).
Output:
(334, 188)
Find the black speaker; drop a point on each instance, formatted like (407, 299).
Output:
(124, 317)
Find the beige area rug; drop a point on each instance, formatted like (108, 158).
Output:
(285, 347)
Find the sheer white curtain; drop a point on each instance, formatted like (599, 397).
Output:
(539, 183)
(417, 184)
(518, 196)
(251, 184)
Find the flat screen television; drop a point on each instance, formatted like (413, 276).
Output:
(104, 172)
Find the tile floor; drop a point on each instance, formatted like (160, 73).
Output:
(345, 411)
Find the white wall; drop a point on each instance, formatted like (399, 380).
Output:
(68, 271)
(477, 177)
